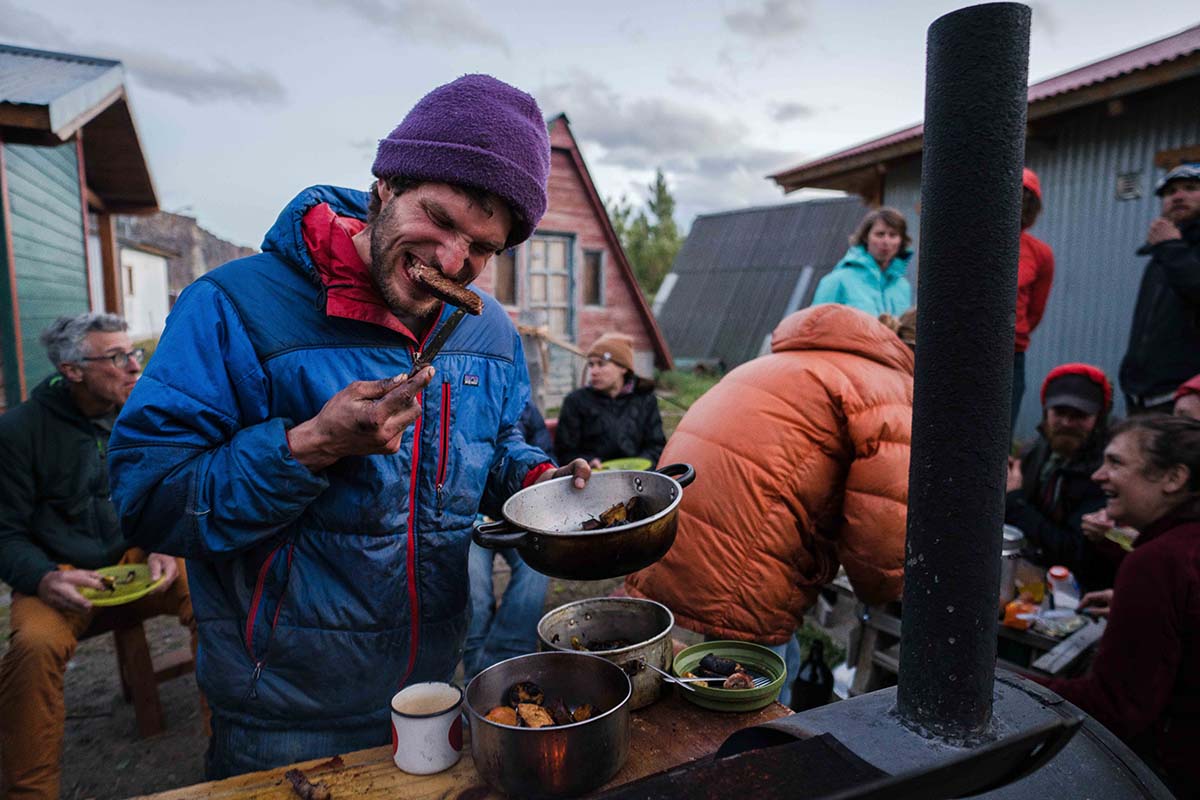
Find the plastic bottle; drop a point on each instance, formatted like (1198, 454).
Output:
(1063, 588)
(814, 681)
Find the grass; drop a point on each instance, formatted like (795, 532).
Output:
(677, 391)
(834, 653)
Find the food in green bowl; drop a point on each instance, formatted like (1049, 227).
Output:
(758, 662)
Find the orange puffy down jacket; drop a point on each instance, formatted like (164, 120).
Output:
(801, 461)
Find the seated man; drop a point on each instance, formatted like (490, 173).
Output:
(615, 415)
(57, 524)
(1050, 487)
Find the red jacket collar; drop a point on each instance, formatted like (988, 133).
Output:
(349, 292)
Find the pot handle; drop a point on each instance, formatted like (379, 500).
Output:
(685, 471)
(498, 534)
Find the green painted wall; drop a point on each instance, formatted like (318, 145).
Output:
(48, 247)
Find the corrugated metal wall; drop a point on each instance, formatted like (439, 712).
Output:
(1079, 156)
(48, 243)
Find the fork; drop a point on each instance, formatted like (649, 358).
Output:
(758, 680)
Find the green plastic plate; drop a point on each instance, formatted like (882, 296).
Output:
(755, 657)
(132, 583)
(627, 463)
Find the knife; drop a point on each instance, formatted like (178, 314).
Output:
(426, 356)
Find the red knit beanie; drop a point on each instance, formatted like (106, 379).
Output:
(1068, 373)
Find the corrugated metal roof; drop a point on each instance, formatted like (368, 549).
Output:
(1151, 55)
(738, 271)
(67, 85)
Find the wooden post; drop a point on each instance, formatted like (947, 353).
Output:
(137, 678)
(110, 261)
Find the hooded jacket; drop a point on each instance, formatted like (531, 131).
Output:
(317, 595)
(593, 425)
(54, 498)
(858, 281)
(1164, 339)
(801, 461)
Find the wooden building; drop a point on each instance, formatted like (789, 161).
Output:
(1100, 136)
(571, 281)
(68, 145)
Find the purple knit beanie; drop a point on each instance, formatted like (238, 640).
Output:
(476, 131)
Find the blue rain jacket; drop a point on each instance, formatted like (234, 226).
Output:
(857, 281)
(317, 595)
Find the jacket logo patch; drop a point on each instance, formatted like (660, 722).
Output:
(470, 380)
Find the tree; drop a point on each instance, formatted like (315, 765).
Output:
(651, 240)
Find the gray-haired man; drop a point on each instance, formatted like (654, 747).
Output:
(57, 525)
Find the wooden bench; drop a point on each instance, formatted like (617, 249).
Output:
(140, 674)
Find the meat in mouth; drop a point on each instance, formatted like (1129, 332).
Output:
(445, 289)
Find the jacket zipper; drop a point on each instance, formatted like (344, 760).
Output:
(413, 598)
(250, 618)
(443, 443)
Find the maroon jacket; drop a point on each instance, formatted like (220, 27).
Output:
(1144, 685)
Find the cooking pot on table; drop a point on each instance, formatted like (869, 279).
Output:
(545, 523)
(558, 761)
(593, 623)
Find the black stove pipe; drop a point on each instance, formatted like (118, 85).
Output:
(975, 105)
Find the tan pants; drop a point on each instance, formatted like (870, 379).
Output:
(32, 711)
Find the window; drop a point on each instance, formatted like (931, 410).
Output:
(550, 271)
(504, 274)
(593, 277)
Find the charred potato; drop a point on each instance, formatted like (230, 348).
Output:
(534, 716)
(505, 715)
(525, 692)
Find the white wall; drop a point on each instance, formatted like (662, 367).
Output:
(144, 282)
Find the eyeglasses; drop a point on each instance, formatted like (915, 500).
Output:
(121, 360)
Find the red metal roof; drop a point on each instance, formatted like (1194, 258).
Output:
(1173, 47)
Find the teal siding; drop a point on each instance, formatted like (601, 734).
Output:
(48, 244)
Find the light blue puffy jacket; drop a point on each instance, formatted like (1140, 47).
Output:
(858, 281)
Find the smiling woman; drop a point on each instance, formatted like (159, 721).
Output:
(1145, 682)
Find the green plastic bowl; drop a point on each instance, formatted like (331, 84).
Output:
(640, 464)
(753, 656)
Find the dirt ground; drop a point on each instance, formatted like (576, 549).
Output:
(102, 756)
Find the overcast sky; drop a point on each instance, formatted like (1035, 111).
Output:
(242, 103)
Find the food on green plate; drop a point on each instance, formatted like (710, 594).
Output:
(110, 583)
(738, 680)
(717, 665)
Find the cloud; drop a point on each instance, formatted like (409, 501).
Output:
(773, 20)
(690, 83)
(155, 69)
(1044, 19)
(790, 111)
(201, 84)
(700, 152)
(447, 23)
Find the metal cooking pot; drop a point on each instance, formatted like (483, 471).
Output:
(558, 761)
(1010, 553)
(545, 523)
(645, 624)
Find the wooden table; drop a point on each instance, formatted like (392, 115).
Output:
(876, 654)
(666, 734)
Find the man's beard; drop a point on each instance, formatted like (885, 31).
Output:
(382, 270)
(1065, 443)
